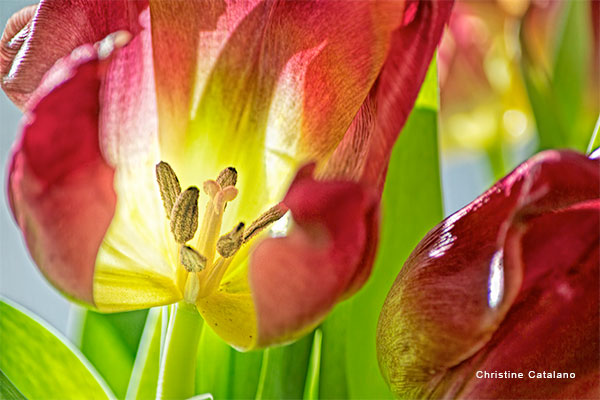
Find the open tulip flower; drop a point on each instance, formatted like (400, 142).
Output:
(507, 285)
(229, 155)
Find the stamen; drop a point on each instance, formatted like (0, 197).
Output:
(268, 217)
(168, 184)
(191, 259)
(184, 216)
(229, 244)
(192, 288)
(211, 282)
(227, 177)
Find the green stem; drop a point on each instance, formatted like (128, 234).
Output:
(595, 139)
(178, 362)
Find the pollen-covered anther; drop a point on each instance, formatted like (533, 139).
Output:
(184, 216)
(191, 260)
(267, 218)
(227, 177)
(169, 186)
(230, 243)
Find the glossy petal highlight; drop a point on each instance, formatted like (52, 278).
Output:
(463, 280)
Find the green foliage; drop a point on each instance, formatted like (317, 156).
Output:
(41, 364)
(8, 391)
(144, 377)
(560, 98)
(311, 388)
(225, 372)
(110, 342)
(412, 204)
(284, 370)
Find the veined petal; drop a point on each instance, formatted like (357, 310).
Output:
(60, 186)
(36, 38)
(271, 86)
(129, 262)
(137, 264)
(364, 152)
(458, 285)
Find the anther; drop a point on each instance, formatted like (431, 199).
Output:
(184, 216)
(191, 259)
(227, 177)
(267, 218)
(168, 184)
(229, 244)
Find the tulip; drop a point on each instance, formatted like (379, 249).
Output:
(165, 145)
(507, 285)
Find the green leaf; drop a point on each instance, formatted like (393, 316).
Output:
(8, 391)
(595, 139)
(144, 377)
(562, 113)
(212, 370)
(570, 78)
(41, 363)
(412, 204)
(110, 342)
(284, 369)
(225, 372)
(333, 383)
(311, 388)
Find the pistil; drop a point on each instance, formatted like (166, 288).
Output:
(203, 268)
(213, 217)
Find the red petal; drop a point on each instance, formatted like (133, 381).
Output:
(368, 142)
(553, 324)
(56, 29)
(61, 188)
(297, 279)
(219, 62)
(441, 302)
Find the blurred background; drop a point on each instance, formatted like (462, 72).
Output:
(516, 76)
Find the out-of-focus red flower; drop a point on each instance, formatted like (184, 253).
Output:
(510, 283)
(265, 87)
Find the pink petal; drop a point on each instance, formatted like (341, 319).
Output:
(32, 43)
(60, 186)
(229, 72)
(369, 140)
(442, 310)
(297, 279)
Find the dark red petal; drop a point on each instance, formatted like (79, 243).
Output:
(553, 324)
(440, 311)
(60, 186)
(56, 29)
(369, 140)
(329, 251)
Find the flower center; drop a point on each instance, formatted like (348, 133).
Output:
(205, 263)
